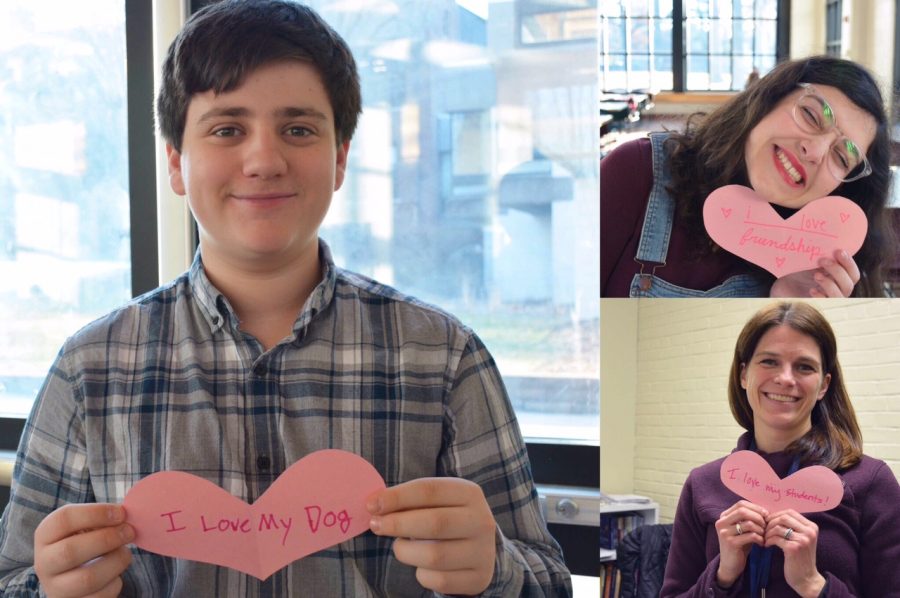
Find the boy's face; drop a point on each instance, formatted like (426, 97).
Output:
(259, 165)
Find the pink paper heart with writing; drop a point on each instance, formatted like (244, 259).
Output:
(809, 490)
(317, 502)
(745, 224)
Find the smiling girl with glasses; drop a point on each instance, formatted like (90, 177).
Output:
(810, 128)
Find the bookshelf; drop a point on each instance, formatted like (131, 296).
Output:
(627, 503)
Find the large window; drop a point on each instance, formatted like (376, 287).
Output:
(636, 45)
(65, 254)
(472, 184)
(686, 45)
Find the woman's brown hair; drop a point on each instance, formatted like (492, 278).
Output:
(710, 154)
(834, 439)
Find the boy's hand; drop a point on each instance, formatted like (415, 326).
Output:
(79, 550)
(444, 527)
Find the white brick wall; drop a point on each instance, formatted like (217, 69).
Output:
(684, 349)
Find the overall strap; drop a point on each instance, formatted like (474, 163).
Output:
(659, 215)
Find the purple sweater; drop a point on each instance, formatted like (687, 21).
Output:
(858, 550)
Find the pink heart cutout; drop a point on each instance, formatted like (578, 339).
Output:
(809, 490)
(317, 502)
(754, 231)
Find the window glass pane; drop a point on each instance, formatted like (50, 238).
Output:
(662, 72)
(766, 32)
(617, 35)
(720, 73)
(472, 184)
(616, 76)
(640, 72)
(662, 36)
(64, 215)
(662, 8)
(639, 8)
(765, 63)
(743, 37)
(721, 9)
(696, 8)
(697, 72)
(743, 65)
(612, 8)
(744, 8)
(720, 37)
(640, 38)
(696, 33)
(767, 9)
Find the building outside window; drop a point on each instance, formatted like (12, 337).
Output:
(65, 255)
(473, 183)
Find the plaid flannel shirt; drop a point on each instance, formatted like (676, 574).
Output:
(169, 382)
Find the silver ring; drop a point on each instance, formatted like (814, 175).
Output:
(788, 533)
(738, 527)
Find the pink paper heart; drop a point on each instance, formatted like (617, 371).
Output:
(753, 230)
(809, 490)
(317, 502)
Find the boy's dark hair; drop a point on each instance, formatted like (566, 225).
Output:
(710, 154)
(224, 42)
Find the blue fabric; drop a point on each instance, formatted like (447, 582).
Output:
(761, 558)
(654, 243)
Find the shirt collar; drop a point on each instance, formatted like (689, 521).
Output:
(215, 306)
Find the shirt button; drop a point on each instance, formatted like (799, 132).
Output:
(259, 369)
(215, 320)
(263, 463)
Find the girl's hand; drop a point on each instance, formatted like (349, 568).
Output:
(835, 277)
(738, 527)
(799, 547)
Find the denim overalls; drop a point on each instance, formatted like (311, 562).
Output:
(654, 243)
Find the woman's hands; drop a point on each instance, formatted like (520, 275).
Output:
(744, 524)
(835, 277)
(799, 548)
(739, 527)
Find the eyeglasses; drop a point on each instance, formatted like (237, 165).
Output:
(814, 115)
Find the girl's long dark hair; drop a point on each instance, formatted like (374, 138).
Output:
(710, 154)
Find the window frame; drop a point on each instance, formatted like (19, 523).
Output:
(679, 45)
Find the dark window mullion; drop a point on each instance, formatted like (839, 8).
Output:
(783, 31)
(141, 147)
(678, 54)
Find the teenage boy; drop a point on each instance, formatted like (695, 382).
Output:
(264, 352)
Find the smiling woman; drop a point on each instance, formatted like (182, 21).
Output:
(810, 128)
(797, 153)
(786, 389)
(783, 381)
